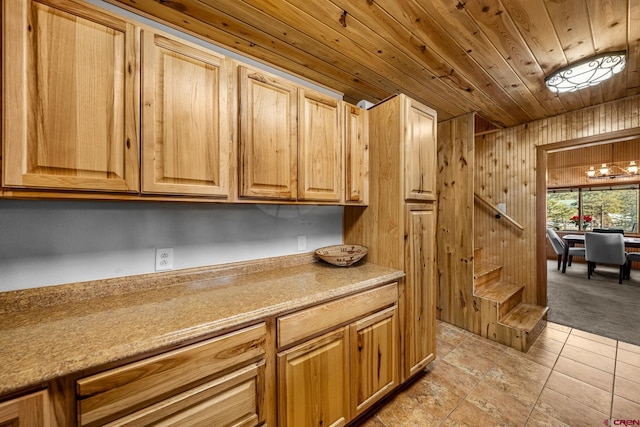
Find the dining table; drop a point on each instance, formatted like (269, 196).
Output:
(571, 240)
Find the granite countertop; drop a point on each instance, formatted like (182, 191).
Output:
(64, 330)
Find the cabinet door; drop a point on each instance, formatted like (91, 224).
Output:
(267, 136)
(420, 152)
(186, 140)
(27, 411)
(313, 382)
(71, 97)
(356, 125)
(319, 147)
(420, 338)
(374, 358)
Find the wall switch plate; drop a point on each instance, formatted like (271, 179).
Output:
(302, 243)
(164, 259)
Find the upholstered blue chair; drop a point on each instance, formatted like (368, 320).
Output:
(558, 247)
(631, 256)
(605, 248)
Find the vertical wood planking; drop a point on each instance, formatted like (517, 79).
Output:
(455, 221)
(505, 172)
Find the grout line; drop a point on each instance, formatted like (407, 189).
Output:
(613, 390)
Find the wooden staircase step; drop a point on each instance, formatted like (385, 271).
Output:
(499, 292)
(485, 274)
(525, 316)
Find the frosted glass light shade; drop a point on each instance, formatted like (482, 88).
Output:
(588, 72)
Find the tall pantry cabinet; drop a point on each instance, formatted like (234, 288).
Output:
(399, 225)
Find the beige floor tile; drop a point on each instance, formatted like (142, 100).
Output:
(540, 419)
(469, 415)
(538, 355)
(451, 334)
(629, 390)
(439, 393)
(558, 327)
(581, 392)
(592, 346)
(568, 411)
(519, 377)
(548, 344)
(372, 421)
(443, 347)
(455, 379)
(474, 356)
(624, 409)
(585, 373)
(554, 334)
(629, 357)
(588, 358)
(630, 372)
(594, 337)
(628, 347)
(403, 411)
(499, 404)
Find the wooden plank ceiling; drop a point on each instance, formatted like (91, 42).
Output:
(457, 56)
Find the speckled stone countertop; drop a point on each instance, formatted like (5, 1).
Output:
(60, 330)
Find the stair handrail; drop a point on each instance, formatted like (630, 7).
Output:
(499, 213)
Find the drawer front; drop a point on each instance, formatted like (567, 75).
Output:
(297, 326)
(121, 391)
(233, 399)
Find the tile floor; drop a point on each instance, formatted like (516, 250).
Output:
(568, 378)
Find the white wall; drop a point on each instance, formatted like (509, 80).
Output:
(53, 242)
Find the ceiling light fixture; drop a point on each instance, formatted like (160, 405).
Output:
(587, 72)
(613, 171)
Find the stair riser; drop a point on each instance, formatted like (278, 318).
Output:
(487, 279)
(506, 306)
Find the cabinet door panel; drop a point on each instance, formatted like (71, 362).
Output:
(268, 136)
(374, 358)
(320, 147)
(186, 143)
(356, 125)
(313, 387)
(420, 152)
(27, 411)
(420, 286)
(71, 98)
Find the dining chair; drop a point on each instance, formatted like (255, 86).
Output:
(605, 248)
(558, 247)
(631, 256)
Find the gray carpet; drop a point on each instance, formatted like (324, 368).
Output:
(600, 305)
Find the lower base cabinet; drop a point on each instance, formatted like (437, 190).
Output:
(27, 411)
(217, 382)
(330, 379)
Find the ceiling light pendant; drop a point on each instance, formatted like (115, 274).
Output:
(587, 72)
(613, 171)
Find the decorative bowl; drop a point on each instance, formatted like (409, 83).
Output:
(341, 255)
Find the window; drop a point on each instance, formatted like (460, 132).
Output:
(599, 207)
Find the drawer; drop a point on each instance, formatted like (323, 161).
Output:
(233, 399)
(302, 324)
(121, 391)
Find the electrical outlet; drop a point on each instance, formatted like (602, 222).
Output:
(164, 259)
(302, 243)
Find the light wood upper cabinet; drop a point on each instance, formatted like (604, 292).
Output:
(420, 157)
(268, 137)
(320, 144)
(70, 97)
(420, 345)
(356, 123)
(186, 137)
(28, 411)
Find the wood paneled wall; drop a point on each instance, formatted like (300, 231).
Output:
(505, 172)
(455, 221)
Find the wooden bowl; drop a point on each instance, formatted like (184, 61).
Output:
(341, 255)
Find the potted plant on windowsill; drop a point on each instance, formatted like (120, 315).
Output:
(586, 221)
